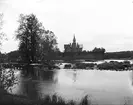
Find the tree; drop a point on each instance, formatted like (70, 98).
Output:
(48, 45)
(98, 50)
(29, 33)
(7, 77)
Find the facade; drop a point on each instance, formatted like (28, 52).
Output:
(73, 47)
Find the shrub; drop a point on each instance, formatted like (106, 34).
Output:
(114, 65)
(67, 66)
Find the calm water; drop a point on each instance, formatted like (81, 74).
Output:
(102, 87)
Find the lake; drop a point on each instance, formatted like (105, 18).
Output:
(102, 87)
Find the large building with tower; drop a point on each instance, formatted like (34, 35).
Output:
(73, 47)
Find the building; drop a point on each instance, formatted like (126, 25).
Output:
(73, 47)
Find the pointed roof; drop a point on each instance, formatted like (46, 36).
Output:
(74, 39)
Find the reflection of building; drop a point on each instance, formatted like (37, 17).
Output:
(74, 47)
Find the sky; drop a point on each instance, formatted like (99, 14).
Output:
(95, 23)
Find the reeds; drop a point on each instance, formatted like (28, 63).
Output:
(48, 100)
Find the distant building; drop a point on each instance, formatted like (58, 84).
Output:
(73, 47)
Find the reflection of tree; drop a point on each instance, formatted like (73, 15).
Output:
(38, 73)
(47, 75)
(27, 70)
(31, 87)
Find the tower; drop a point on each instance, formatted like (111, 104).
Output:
(74, 39)
(74, 47)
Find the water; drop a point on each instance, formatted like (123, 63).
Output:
(102, 87)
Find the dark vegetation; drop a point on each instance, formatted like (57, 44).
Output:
(85, 65)
(112, 65)
(35, 42)
(15, 56)
(48, 100)
(119, 55)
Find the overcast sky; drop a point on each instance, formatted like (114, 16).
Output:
(95, 23)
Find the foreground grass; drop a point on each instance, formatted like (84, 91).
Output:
(9, 99)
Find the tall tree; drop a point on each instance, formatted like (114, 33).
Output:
(48, 45)
(29, 33)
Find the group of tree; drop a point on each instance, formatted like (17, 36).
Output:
(38, 44)
(35, 43)
(95, 50)
(102, 50)
(119, 55)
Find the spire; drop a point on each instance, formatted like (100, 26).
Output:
(74, 39)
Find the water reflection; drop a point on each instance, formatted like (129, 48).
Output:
(103, 86)
(37, 73)
(132, 78)
(31, 79)
(74, 76)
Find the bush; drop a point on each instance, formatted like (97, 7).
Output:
(114, 65)
(7, 78)
(67, 66)
(84, 65)
(80, 66)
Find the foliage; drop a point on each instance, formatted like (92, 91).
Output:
(119, 55)
(98, 50)
(114, 65)
(13, 56)
(7, 78)
(85, 65)
(67, 66)
(48, 100)
(29, 33)
(48, 45)
(36, 43)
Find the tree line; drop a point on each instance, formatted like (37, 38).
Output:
(36, 44)
(119, 55)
